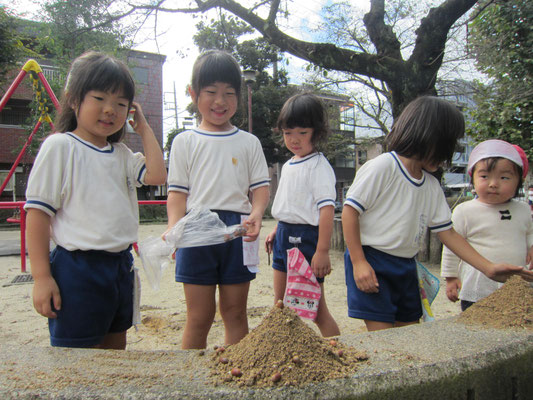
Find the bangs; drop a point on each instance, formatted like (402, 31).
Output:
(220, 69)
(111, 77)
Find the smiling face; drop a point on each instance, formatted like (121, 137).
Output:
(298, 141)
(498, 185)
(217, 103)
(100, 115)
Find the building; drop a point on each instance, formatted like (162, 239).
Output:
(147, 70)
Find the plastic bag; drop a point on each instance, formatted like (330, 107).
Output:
(200, 227)
(429, 285)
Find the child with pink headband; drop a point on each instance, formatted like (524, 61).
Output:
(499, 227)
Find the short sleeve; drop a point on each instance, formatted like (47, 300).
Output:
(324, 184)
(371, 180)
(136, 167)
(258, 166)
(46, 185)
(178, 176)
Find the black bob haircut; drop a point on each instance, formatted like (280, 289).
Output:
(427, 130)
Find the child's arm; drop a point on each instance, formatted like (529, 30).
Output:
(176, 207)
(156, 173)
(320, 263)
(269, 241)
(497, 272)
(45, 289)
(260, 199)
(364, 275)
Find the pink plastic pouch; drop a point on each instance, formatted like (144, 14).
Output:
(302, 292)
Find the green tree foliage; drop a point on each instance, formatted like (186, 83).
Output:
(502, 41)
(11, 48)
(73, 27)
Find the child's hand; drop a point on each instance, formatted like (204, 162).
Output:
(321, 264)
(253, 227)
(501, 272)
(453, 285)
(138, 123)
(365, 277)
(269, 241)
(46, 293)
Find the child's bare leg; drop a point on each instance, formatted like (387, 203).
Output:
(399, 324)
(233, 300)
(113, 341)
(324, 320)
(201, 308)
(377, 325)
(280, 282)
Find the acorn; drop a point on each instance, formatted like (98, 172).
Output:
(296, 359)
(279, 304)
(340, 353)
(236, 372)
(276, 377)
(223, 360)
(220, 349)
(333, 342)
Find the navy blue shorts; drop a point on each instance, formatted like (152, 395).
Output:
(219, 264)
(398, 298)
(309, 239)
(96, 290)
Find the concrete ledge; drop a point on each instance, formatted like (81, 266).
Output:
(439, 360)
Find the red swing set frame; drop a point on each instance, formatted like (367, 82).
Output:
(39, 81)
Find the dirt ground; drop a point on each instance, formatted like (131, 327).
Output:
(163, 311)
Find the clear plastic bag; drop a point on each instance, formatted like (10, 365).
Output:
(200, 227)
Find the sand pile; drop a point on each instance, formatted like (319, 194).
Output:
(511, 306)
(283, 350)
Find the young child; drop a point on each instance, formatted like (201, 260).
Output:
(305, 199)
(392, 201)
(82, 194)
(216, 166)
(495, 224)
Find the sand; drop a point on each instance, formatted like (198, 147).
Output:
(163, 311)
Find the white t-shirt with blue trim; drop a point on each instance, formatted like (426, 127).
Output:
(395, 208)
(89, 192)
(306, 185)
(217, 169)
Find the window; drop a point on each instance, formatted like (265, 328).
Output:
(15, 112)
(140, 75)
(361, 156)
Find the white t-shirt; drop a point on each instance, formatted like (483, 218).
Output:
(217, 169)
(395, 208)
(306, 185)
(89, 193)
(502, 233)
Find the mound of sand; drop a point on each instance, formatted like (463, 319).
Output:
(283, 350)
(511, 306)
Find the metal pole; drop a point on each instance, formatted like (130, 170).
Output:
(249, 107)
(175, 106)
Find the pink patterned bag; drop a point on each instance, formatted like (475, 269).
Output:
(302, 293)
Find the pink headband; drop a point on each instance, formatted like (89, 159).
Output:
(498, 148)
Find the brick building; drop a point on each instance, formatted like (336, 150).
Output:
(147, 70)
